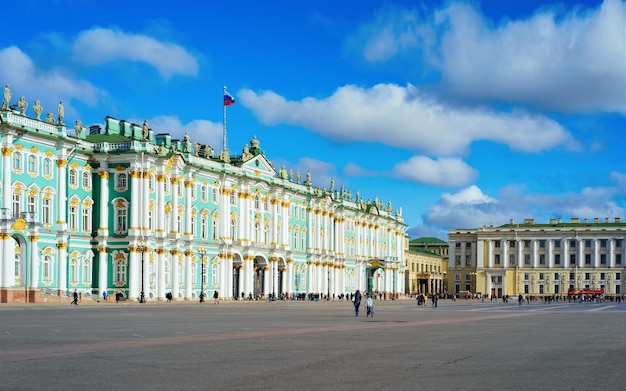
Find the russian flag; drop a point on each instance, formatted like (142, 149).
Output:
(228, 99)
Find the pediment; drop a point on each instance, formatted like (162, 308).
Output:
(259, 165)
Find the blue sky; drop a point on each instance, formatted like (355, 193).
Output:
(461, 113)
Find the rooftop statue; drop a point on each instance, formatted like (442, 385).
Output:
(298, 177)
(145, 130)
(37, 109)
(22, 104)
(332, 184)
(49, 118)
(61, 113)
(283, 173)
(307, 182)
(78, 127)
(7, 98)
(246, 154)
(187, 141)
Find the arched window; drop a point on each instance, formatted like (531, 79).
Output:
(121, 181)
(32, 164)
(45, 268)
(215, 274)
(257, 202)
(17, 161)
(233, 228)
(86, 271)
(214, 228)
(47, 167)
(86, 180)
(73, 180)
(120, 272)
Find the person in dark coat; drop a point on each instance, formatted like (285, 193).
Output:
(357, 302)
(75, 297)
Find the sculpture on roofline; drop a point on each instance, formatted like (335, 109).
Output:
(187, 143)
(283, 173)
(298, 177)
(22, 104)
(61, 113)
(78, 127)
(7, 98)
(50, 118)
(332, 184)
(307, 181)
(291, 175)
(145, 130)
(37, 109)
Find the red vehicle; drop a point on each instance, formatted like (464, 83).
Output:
(583, 291)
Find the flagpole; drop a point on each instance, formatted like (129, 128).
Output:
(225, 149)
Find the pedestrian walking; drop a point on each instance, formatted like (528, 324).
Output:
(357, 302)
(369, 305)
(216, 297)
(75, 301)
(104, 296)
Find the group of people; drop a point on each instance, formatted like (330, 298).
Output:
(369, 304)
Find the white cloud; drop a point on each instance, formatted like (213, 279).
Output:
(202, 131)
(407, 118)
(99, 45)
(49, 86)
(354, 170)
(441, 172)
(568, 61)
(471, 208)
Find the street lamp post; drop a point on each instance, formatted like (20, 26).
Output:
(202, 253)
(142, 296)
(445, 292)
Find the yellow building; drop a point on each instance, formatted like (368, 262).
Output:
(425, 266)
(538, 259)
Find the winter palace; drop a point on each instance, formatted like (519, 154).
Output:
(119, 209)
(538, 259)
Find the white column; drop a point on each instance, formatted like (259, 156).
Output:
(135, 202)
(463, 255)
(160, 259)
(565, 253)
(490, 246)
(188, 281)
(134, 273)
(535, 254)
(103, 269)
(581, 256)
(519, 245)
(34, 259)
(596, 253)
(550, 256)
(611, 253)
(175, 275)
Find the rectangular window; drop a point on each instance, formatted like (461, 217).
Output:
(542, 243)
(557, 244)
(17, 205)
(86, 219)
(618, 243)
(557, 259)
(603, 259)
(73, 223)
(542, 259)
(618, 276)
(587, 276)
(497, 259)
(603, 243)
(497, 243)
(527, 259)
(31, 204)
(526, 243)
(511, 259)
(512, 243)
(588, 243)
(587, 259)
(214, 195)
(572, 259)
(572, 244)
(618, 259)
(526, 276)
(46, 209)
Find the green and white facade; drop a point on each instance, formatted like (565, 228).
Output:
(121, 209)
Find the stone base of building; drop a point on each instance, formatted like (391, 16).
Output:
(20, 295)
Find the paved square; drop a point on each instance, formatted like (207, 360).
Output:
(312, 346)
